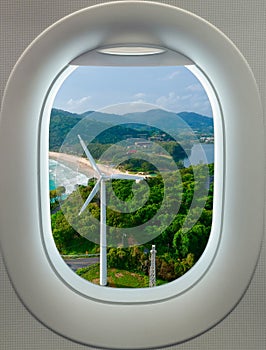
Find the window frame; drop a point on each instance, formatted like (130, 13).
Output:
(137, 295)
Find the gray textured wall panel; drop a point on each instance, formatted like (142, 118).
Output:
(244, 22)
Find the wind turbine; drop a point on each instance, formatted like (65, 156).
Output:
(101, 185)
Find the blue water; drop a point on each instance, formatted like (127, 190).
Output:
(200, 153)
(61, 175)
(51, 184)
(52, 169)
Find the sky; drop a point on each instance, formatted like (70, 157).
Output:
(175, 89)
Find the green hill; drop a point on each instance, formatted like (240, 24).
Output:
(198, 122)
(114, 128)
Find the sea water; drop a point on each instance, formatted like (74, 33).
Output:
(61, 175)
(200, 153)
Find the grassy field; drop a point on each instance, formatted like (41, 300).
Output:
(116, 278)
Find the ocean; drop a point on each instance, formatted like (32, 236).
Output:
(61, 175)
(200, 153)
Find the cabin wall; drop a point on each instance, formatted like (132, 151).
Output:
(244, 22)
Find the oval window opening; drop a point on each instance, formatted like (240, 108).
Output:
(131, 170)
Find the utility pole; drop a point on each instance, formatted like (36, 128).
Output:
(152, 282)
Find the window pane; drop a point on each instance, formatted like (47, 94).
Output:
(131, 173)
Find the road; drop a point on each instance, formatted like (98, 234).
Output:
(79, 263)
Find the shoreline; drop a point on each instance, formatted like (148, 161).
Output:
(81, 165)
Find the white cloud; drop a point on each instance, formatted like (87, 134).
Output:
(137, 99)
(79, 105)
(130, 107)
(169, 101)
(139, 96)
(171, 76)
(185, 97)
(194, 102)
(194, 88)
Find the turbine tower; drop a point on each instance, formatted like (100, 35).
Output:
(101, 185)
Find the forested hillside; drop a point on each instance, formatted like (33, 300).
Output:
(178, 246)
(179, 240)
(131, 125)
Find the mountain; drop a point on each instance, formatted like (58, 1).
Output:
(62, 113)
(111, 128)
(161, 119)
(198, 122)
(61, 122)
(106, 118)
(155, 118)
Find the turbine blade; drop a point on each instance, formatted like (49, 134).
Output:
(90, 197)
(126, 177)
(88, 154)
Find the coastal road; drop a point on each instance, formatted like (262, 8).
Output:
(79, 263)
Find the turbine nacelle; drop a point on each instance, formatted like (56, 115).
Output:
(102, 176)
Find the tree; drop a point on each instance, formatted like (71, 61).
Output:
(60, 190)
(192, 241)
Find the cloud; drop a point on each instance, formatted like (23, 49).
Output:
(79, 105)
(139, 96)
(172, 76)
(129, 107)
(194, 88)
(194, 102)
(185, 97)
(169, 101)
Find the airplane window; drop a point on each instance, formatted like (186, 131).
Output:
(131, 184)
(140, 131)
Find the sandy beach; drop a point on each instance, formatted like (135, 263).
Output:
(80, 164)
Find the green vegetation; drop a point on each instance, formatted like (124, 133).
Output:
(180, 240)
(67, 240)
(198, 123)
(178, 246)
(117, 278)
(105, 126)
(61, 123)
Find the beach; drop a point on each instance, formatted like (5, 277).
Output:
(81, 165)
